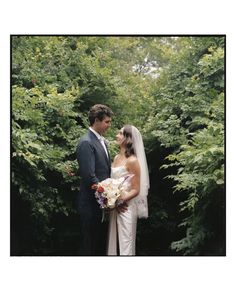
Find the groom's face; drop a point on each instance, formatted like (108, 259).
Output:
(102, 126)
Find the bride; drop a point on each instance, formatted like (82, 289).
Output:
(132, 204)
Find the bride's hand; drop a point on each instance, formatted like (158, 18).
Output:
(121, 205)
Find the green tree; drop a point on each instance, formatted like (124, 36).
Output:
(171, 88)
(189, 119)
(54, 82)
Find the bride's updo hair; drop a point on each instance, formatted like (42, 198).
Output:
(129, 148)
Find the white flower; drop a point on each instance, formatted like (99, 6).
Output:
(108, 191)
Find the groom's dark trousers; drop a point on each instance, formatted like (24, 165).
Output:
(94, 166)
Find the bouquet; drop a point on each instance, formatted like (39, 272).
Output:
(108, 191)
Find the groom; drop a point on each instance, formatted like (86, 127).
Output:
(94, 166)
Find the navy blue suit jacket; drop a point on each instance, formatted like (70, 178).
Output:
(94, 166)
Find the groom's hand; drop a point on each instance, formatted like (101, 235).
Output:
(122, 207)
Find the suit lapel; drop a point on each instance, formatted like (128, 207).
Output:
(99, 145)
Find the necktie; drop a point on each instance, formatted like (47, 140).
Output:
(102, 140)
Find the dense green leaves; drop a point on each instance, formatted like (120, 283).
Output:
(171, 88)
(189, 118)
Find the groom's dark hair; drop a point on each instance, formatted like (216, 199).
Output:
(100, 112)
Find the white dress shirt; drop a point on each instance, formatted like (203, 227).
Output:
(101, 139)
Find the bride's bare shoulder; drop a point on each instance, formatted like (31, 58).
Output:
(132, 165)
(115, 160)
(132, 161)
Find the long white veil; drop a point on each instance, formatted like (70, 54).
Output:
(141, 198)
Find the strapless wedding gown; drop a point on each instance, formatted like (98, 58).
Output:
(122, 225)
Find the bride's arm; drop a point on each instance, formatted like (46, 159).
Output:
(134, 169)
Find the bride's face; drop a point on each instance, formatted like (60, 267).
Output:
(120, 137)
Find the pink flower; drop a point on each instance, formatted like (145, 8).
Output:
(100, 189)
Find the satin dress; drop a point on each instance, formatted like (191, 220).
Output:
(122, 226)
